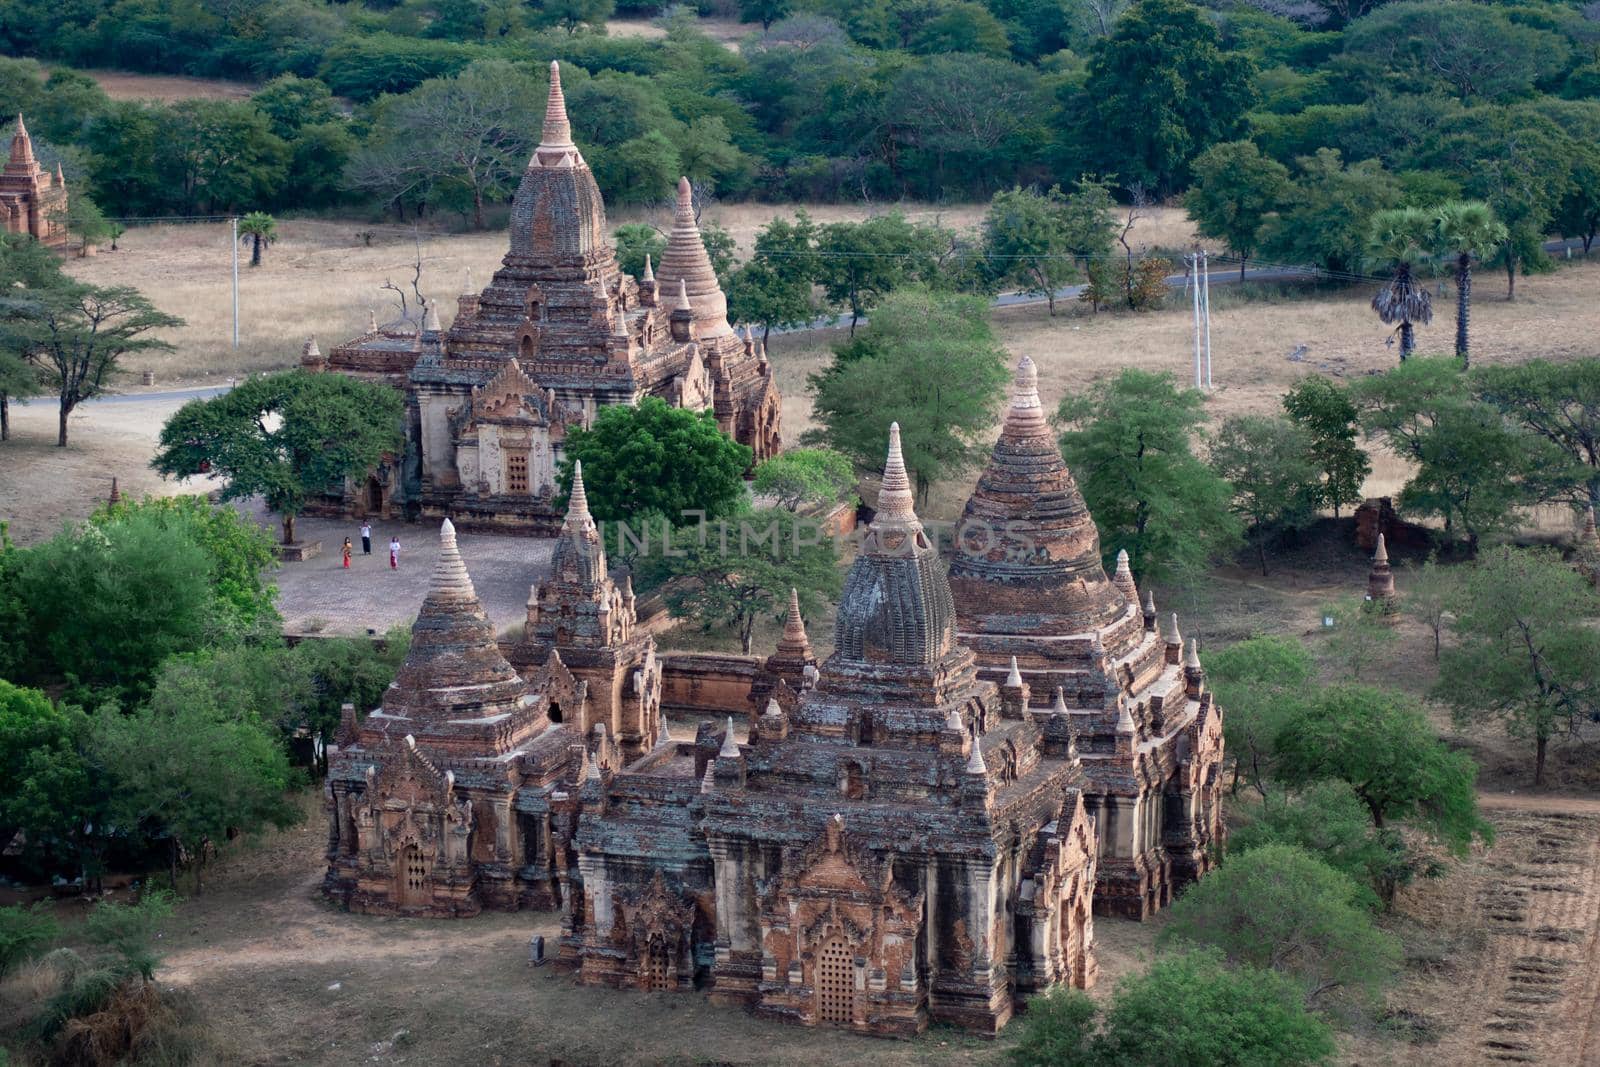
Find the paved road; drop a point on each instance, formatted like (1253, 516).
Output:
(1227, 276)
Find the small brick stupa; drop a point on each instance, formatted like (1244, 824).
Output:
(1380, 582)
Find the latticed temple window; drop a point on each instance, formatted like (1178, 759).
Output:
(517, 472)
(416, 869)
(659, 974)
(836, 987)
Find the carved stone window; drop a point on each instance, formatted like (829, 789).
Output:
(516, 472)
(413, 875)
(836, 985)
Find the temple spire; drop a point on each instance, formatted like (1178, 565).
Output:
(21, 145)
(450, 578)
(794, 643)
(578, 500)
(895, 502)
(686, 261)
(649, 274)
(1123, 578)
(557, 130)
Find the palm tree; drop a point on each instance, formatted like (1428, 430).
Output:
(1465, 228)
(1398, 238)
(262, 229)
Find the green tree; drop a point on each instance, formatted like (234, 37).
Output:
(1431, 592)
(1088, 220)
(78, 335)
(573, 15)
(105, 605)
(1524, 650)
(347, 670)
(260, 229)
(1324, 411)
(1163, 82)
(1476, 53)
(1267, 460)
(1359, 636)
(291, 103)
(1383, 746)
(47, 788)
(1130, 441)
(774, 287)
(1327, 220)
(765, 12)
(862, 262)
(24, 264)
(1280, 908)
(1328, 820)
(286, 437)
(1465, 229)
(186, 777)
(1474, 468)
(1517, 161)
(19, 379)
(1025, 241)
(1398, 238)
(85, 221)
(241, 555)
(261, 684)
(633, 242)
(806, 476)
(928, 361)
(1235, 189)
(216, 155)
(1579, 212)
(1185, 1008)
(655, 458)
(739, 570)
(961, 26)
(1262, 681)
(1557, 401)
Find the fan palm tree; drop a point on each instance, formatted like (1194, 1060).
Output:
(1464, 229)
(262, 229)
(1399, 238)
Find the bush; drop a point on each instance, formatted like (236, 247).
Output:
(803, 476)
(24, 934)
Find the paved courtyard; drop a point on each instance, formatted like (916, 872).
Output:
(320, 595)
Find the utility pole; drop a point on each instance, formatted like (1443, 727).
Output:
(1205, 302)
(235, 222)
(1194, 266)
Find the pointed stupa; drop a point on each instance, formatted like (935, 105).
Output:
(1027, 555)
(686, 261)
(557, 133)
(116, 492)
(795, 644)
(896, 606)
(952, 721)
(1174, 637)
(21, 148)
(579, 555)
(1014, 678)
(1123, 577)
(466, 284)
(1191, 656)
(454, 672)
(372, 321)
(558, 221)
(1380, 579)
(1060, 706)
(895, 500)
(61, 179)
(682, 303)
(430, 318)
(649, 274)
(975, 764)
(1125, 723)
(730, 747)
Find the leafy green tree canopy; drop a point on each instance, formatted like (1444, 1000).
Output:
(802, 476)
(1324, 411)
(1130, 440)
(1235, 189)
(656, 458)
(286, 437)
(1267, 460)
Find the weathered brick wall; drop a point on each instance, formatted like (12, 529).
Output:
(703, 683)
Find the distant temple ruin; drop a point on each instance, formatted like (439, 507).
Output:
(32, 200)
(918, 829)
(558, 333)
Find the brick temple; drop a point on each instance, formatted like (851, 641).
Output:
(918, 829)
(32, 200)
(558, 333)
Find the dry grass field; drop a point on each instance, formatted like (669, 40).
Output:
(167, 88)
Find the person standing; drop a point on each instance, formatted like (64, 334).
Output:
(366, 538)
(394, 553)
(347, 550)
